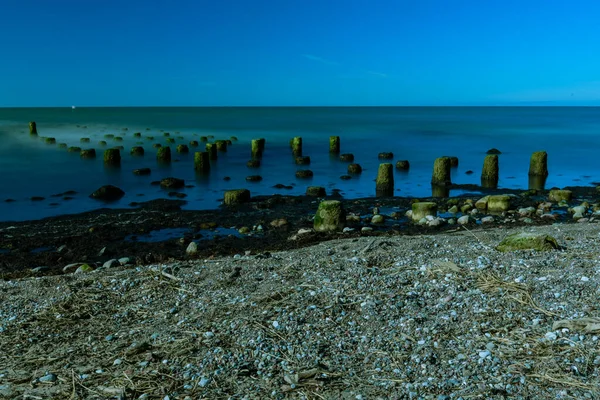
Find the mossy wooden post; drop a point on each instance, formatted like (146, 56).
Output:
(32, 128)
(212, 151)
(238, 196)
(334, 144)
(354, 169)
(163, 154)
(221, 145)
(258, 146)
(137, 151)
(112, 157)
(183, 148)
(440, 191)
(538, 170)
(330, 216)
(296, 144)
(384, 185)
(489, 173)
(88, 153)
(201, 161)
(441, 172)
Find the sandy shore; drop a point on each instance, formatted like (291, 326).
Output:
(432, 317)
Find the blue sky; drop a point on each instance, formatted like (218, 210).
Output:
(299, 52)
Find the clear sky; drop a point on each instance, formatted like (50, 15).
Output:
(299, 52)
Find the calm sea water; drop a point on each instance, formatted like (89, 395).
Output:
(29, 167)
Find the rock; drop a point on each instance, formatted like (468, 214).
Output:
(465, 208)
(194, 143)
(278, 223)
(316, 191)
(108, 193)
(348, 230)
(238, 196)
(84, 268)
(254, 178)
(142, 171)
(302, 160)
(365, 229)
(493, 151)
(330, 216)
(304, 173)
(88, 153)
(422, 209)
(244, 230)
(112, 157)
(463, 220)
(453, 209)
(74, 149)
(124, 260)
(304, 231)
(482, 203)
(192, 249)
(435, 222)
(526, 241)
(354, 169)
(334, 144)
(558, 195)
(137, 151)
(498, 203)
(403, 165)
(48, 378)
(172, 183)
(40, 269)
(111, 264)
(377, 219)
(347, 157)
(385, 156)
(487, 220)
(163, 154)
(384, 184)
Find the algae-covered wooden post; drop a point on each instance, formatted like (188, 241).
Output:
(237, 196)
(137, 151)
(384, 185)
(112, 157)
(489, 173)
(296, 145)
(422, 209)
(32, 128)
(334, 144)
(440, 191)
(88, 153)
(201, 161)
(212, 151)
(163, 154)
(538, 170)
(330, 216)
(221, 145)
(258, 147)
(441, 172)
(183, 148)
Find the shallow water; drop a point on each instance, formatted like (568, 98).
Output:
(29, 167)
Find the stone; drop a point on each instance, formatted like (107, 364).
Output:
(330, 216)
(402, 165)
(111, 264)
(487, 220)
(378, 219)
(108, 193)
(423, 209)
(192, 249)
(316, 191)
(465, 219)
(498, 203)
(482, 203)
(347, 157)
(384, 184)
(528, 241)
(194, 143)
(238, 196)
(354, 169)
(142, 171)
(48, 378)
(124, 260)
(558, 195)
(172, 183)
(244, 230)
(366, 229)
(278, 223)
(453, 210)
(84, 268)
(112, 157)
(441, 172)
(334, 144)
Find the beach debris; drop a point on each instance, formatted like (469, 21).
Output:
(402, 165)
(112, 157)
(422, 209)
(354, 169)
(441, 172)
(238, 196)
(316, 191)
(528, 241)
(587, 325)
(201, 161)
(334, 144)
(108, 193)
(330, 216)
(384, 184)
(490, 172)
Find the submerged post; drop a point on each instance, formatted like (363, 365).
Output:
(384, 185)
(489, 174)
(32, 128)
(334, 144)
(296, 144)
(163, 154)
(212, 151)
(258, 147)
(538, 170)
(441, 172)
(201, 161)
(112, 157)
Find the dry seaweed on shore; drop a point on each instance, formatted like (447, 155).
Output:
(410, 317)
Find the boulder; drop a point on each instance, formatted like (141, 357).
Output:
(108, 193)
(423, 209)
(498, 203)
(402, 165)
(354, 169)
(192, 249)
(172, 183)
(316, 191)
(330, 216)
(558, 195)
(528, 241)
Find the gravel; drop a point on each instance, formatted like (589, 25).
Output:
(424, 317)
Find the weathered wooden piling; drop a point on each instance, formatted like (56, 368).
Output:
(334, 144)
(489, 173)
(441, 172)
(384, 184)
(201, 161)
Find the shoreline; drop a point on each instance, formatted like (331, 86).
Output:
(159, 230)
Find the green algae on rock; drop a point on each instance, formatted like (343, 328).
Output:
(316, 191)
(528, 241)
(112, 157)
(87, 153)
(201, 161)
(137, 151)
(498, 203)
(422, 209)
(402, 165)
(354, 169)
(163, 154)
(330, 216)
(237, 196)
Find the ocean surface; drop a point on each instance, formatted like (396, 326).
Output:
(30, 167)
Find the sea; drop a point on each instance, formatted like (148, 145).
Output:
(29, 167)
